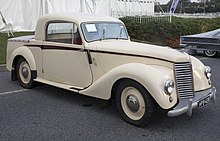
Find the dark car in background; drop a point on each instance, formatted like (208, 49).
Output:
(208, 42)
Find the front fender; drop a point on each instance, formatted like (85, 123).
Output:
(151, 77)
(199, 79)
(24, 52)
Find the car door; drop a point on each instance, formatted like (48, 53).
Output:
(64, 58)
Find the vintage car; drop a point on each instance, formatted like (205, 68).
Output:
(93, 55)
(207, 42)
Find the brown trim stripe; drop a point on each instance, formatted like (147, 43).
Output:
(47, 47)
(95, 51)
(39, 46)
(127, 54)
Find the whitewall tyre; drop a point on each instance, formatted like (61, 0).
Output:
(210, 53)
(134, 103)
(24, 73)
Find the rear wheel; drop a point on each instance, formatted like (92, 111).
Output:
(210, 53)
(24, 74)
(134, 103)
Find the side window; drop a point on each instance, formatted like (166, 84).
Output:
(63, 33)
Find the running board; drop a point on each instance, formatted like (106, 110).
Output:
(59, 85)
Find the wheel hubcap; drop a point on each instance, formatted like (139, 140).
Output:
(133, 103)
(25, 72)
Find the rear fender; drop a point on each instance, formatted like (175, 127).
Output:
(24, 52)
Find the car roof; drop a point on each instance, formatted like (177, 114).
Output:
(77, 18)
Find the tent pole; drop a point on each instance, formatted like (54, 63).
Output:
(110, 8)
(80, 6)
(41, 5)
(170, 18)
(8, 28)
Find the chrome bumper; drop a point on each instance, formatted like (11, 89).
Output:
(187, 105)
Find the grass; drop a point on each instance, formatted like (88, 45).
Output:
(3, 44)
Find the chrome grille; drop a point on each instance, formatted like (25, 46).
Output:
(184, 80)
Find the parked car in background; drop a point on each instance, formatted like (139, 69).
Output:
(93, 55)
(208, 42)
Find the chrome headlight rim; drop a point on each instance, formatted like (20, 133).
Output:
(208, 72)
(169, 86)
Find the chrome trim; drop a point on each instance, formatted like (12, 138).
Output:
(187, 105)
(133, 103)
(184, 80)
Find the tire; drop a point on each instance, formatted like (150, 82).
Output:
(210, 53)
(24, 74)
(134, 103)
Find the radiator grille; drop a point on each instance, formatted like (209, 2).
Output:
(184, 80)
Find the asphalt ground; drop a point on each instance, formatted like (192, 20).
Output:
(46, 113)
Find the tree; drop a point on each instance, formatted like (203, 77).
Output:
(186, 6)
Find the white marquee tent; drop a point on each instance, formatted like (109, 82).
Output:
(23, 14)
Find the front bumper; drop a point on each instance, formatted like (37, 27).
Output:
(186, 105)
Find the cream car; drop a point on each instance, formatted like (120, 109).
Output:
(93, 55)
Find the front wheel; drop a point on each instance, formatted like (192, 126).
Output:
(134, 103)
(24, 74)
(210, 53)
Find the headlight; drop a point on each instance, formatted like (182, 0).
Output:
(169, 86)
(208, 72)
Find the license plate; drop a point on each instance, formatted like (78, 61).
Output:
(204, 101)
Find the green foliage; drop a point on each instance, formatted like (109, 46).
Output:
(3, 44)
(166, 33)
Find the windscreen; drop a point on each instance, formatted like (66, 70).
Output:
(104, 30)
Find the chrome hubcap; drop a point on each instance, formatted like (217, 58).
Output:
(25, 72)
(133, 103)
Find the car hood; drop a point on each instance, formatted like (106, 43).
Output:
(121, 47)
(210, 34)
